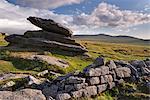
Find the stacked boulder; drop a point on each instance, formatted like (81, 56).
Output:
(53, 37)
(95, 78)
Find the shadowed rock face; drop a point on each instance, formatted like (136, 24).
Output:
(50, 36)
(50, 26)
(44, 44)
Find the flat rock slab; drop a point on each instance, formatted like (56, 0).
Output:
(25, 94)
(50, 36)
(43, 44)
(50, 26)
(8, 76)
(51, 60)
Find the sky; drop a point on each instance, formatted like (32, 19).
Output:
(112, 17)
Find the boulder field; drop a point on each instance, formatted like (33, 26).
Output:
(93, 80)
(53, 37)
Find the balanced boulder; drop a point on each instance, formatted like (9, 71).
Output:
(50, 26)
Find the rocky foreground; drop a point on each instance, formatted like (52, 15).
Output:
(93, 80)
(53, 37)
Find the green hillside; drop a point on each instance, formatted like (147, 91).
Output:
(113, 39)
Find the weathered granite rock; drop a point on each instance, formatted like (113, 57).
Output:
(25, 94)
(106, 79)
(77, 94)
(120, 62)
(43, 73)
(44, 44)
(123, 72)
(111, 85)
(103, 70)
(93, 80)
(99, 62)
(7, 86)
(74, 80)
(50, 36)
(69, 88)
(90, 91)
(54, 38)
(32, 80)
(101, 88)
(80, 86)
(50, 98)
(50, 91)
(145, 71)
(147, 62)
(61, 78)
(50, 26)
(133, 70)
(14, 38)
(113, 73)
(50, 60)
(111, 65)
(63, 96)
(138, 63)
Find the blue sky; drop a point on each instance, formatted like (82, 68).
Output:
(113, 17)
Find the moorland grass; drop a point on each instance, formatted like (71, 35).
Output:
(109, 51)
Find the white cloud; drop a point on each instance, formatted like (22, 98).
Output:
(13, 18)
(47, 3)
(106, 15)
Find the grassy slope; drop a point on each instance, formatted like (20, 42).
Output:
(95, 48)
(117, 51)
(113, 39)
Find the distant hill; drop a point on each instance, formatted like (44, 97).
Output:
(113, 39)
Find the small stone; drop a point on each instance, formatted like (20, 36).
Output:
(32, 80)
(51, 91)
(103, 70)
(145, 71)
(43, 73)
(69, 88)
(133, 70)
(147, 63)
(123, 72)
(101, 88)
(77, 94)
(120, 62)
(63, 96)
(61, 78)
(111, 85)
(111, 65)
(80, 86)
(142, 64)
(90, 91)
(120, 81)
(50, 98)
(75, 80)
(106, 79)
(94, 80)
(93, 72)
(113, 74)
(138, 63)
(99, 61)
